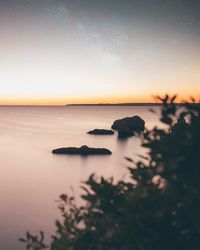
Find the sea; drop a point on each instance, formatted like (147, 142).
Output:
(32, 178)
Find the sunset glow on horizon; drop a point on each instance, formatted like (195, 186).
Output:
(95, 100)
(56, 53)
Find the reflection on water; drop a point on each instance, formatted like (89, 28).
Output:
(32, 178)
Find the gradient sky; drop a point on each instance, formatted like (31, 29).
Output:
(69, 51)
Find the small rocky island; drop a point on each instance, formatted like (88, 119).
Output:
(127, 126)
(101, 132)
(83, 150)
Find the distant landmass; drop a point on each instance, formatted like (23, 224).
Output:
(117, 104)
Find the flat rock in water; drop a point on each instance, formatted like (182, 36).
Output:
(84, 150)
(101, 132)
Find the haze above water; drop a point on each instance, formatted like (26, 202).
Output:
(32, 178)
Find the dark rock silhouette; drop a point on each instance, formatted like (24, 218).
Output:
(134, 123)
(127, 126)
(83, 150)
(101, 132)
(124, 133)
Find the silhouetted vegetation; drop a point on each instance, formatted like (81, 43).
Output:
(157, 209)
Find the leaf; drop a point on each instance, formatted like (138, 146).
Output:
(64, 197)
(166, 99)
(143, 157)
(41, 236)
(173, 98)
(159, 98)
(192, 99)
(22, 240)
(129, 159)
(28, 235)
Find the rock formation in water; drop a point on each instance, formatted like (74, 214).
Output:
(127, 126)
(101, 132)
(84, 150)
(124, 133)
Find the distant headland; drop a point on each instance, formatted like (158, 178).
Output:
(116, 104)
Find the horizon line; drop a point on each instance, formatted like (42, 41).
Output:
(93, 104)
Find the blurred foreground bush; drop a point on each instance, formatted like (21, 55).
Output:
(158, 209)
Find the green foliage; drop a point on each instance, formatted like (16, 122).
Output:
(158, 208)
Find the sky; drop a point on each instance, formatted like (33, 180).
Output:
(92, 51)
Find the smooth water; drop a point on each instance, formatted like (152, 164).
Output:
(31, 178)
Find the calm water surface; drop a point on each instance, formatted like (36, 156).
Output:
(32, 178)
